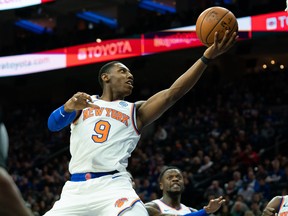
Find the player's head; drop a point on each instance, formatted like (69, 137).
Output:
(171, 181)
(117, 76)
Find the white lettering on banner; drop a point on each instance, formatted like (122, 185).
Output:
(168, 41)
(120, 47)
(30, 63)
(280, 22)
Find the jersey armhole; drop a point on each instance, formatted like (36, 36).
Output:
(134, 118)
(281, 204)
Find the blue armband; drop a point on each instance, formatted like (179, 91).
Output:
(201, 212)
(59, 119)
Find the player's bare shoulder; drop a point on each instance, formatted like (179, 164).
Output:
(138, 104)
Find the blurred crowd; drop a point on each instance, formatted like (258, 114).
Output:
(228, 140)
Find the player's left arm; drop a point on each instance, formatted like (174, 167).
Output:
(156, 105)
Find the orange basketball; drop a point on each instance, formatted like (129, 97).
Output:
(215, 19)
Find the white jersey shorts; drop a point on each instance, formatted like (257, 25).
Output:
(109, 195)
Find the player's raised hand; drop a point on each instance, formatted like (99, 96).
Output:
(79, 101)
(220, 46)
(214, 205)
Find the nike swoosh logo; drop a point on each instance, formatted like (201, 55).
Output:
(62, 114)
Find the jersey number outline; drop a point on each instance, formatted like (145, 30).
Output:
(102, 129)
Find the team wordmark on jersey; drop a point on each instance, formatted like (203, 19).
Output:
(112, 113)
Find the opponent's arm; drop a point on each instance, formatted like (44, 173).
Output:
(213, 206)
(156, 105)
(65, 115)
(272, 207)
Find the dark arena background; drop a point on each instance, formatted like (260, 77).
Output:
(228, 134)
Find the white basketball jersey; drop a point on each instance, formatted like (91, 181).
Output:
(283, 210)
(102, 139)
(169, 210)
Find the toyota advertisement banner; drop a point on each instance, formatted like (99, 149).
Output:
(103, 51)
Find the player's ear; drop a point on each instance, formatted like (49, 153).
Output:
(105, 77)
(161, 186)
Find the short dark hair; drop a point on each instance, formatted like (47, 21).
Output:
(105, 69)
(166, 169)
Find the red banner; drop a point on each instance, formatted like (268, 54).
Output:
(103, 51)
(270, 22)
(168, 41)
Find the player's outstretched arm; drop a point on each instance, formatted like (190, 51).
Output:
(213, 206)
(156, 105)
(272, 207)
(64, 115)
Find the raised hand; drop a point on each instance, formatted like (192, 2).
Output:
(79, 101)
(214, 205)
(220, 47)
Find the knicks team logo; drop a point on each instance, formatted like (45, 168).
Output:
(120, 202)
(123, 104)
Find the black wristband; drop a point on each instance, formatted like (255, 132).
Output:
(205, 60)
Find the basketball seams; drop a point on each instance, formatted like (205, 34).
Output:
(206, 39)
(200, 26)
(215, 19)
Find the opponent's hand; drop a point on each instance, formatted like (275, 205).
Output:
(79, 101)
(220, 47)
(268, 211)
(214, 205)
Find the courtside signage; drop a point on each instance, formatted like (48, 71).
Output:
(13, 4)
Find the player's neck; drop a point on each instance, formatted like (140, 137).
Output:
(173, 202)
(110, 96)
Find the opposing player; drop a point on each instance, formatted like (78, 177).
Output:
(11, 202)
(105, 130)
(171, 183)
(276, 206)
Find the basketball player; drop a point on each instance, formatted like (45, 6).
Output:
(11, 202)
(172, 185)
(277, 206)
(106, 129)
